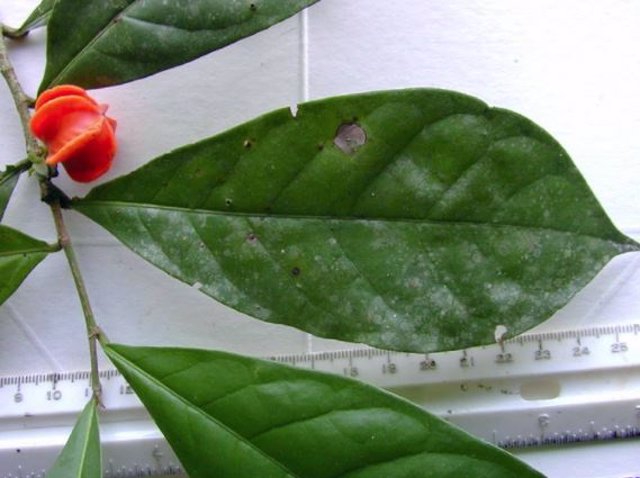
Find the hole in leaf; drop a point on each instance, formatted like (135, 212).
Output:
(295, 271)
(349, 137)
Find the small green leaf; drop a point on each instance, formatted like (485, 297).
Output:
(231, 416)
(81, 456)
(415, 220)
(19, 254)
(38, 18)
(8, 180)
(98, 43)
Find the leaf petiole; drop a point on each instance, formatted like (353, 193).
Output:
(13, 33)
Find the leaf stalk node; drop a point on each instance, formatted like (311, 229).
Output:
(13, 33)
(51, 194)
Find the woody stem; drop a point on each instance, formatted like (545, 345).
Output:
(55, 198)
(20, 98)
(94, 333)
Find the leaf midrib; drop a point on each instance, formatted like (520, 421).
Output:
(85, 446)
(8, 175)
(190, 405)
(632, 245)
(21, 252)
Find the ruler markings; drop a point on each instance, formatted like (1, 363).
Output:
(363, 352)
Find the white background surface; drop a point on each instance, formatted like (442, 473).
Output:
(571, 66)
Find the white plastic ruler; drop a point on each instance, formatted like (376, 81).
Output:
(536, 390)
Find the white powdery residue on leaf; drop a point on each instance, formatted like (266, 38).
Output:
(442, 302)
(418, 182)
(504, 295)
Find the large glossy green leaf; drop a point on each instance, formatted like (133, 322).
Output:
(19, 254)
(81, 457)
(450, 219)
(97, 43)
(38, 18)
(231, 416)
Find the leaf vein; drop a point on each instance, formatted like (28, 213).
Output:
(295, 177)
(159, 244)
(450, 188)
(172, 27)
(215, 257)
(394, 158)
(325, 413)
(301, 291)
(363, 276)
(455, 294)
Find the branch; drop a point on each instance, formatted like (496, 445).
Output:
(20, 98)
(94, 333)
(56, 200)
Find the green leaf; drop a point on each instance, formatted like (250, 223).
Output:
(450, 219)
(231, 416)
(8, 180)
(98, 43)
(81, 456)
(38, 18)
(19, 254)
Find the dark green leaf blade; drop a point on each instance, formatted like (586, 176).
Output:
(451, 219)
(81, 457)
(38, 18)
(221, 412)
(8, 180)
(96, 44)
(19, 254)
